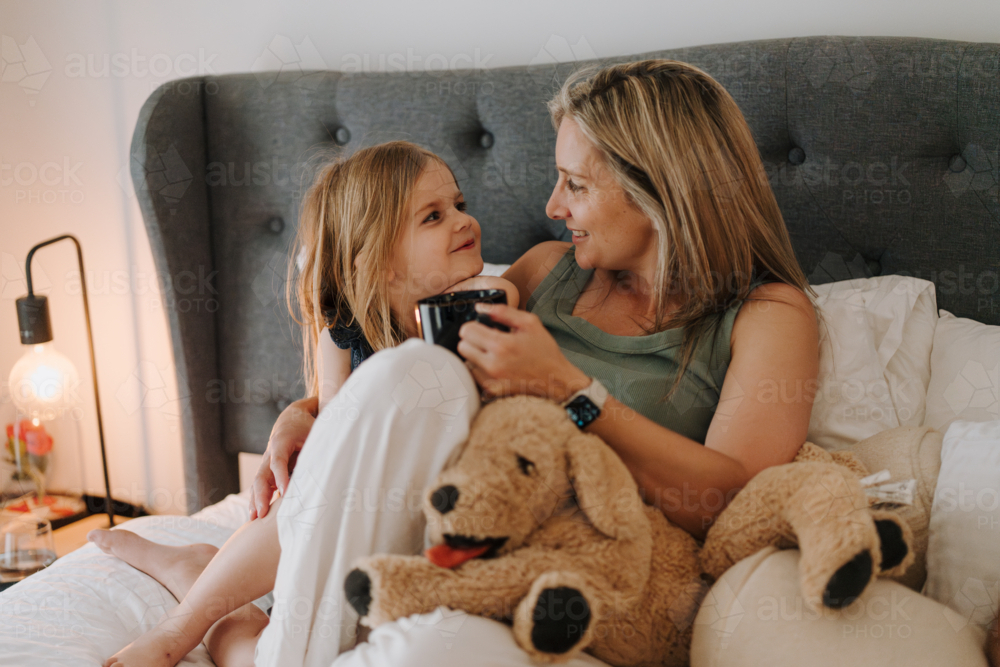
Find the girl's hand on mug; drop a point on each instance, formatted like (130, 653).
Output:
(287, 437)
(525, 361)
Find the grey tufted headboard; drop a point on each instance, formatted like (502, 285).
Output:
(882, 153)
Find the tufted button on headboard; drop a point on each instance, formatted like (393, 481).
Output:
(882, 153)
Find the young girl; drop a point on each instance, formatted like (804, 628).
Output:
(379, 230)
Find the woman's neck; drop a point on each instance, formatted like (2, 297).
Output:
(628, 286)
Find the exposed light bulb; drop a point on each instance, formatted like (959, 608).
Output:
(43, 382)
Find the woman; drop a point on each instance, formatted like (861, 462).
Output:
(680, 293)
(674, 229)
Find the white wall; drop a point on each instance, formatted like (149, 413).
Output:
(64, 146)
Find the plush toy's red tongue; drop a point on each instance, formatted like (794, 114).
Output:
(443, 555)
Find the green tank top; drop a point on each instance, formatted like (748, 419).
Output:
(637, 370)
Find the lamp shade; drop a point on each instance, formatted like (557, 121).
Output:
(43, 382)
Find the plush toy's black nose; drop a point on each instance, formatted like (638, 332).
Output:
(444, 499)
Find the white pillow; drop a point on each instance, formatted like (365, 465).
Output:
(754, 616)
(875, 346)
(965, 372)
(963, 546)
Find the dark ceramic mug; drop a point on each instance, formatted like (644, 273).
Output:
(440, 317)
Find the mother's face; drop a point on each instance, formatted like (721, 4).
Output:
(608, 230)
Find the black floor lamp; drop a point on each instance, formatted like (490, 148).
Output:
(33, 384)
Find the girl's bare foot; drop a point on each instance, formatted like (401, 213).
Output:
(176, 568)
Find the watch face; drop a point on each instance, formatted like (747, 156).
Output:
(582, 411)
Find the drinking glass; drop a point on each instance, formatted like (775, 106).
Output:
(27, 545)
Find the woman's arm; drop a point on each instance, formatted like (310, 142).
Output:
(761, 420)
(288, 435)
(293, 425)
(530, 269)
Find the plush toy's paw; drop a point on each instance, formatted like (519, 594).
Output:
(556, 618)
(848, 582)
(386, 587)
(893, 553)
(358, 589)
(561, 616)
(895, 537)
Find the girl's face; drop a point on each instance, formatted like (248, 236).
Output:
(608, 230)
(439, 245)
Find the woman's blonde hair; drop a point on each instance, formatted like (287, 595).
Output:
(678, 145)
(351, 219)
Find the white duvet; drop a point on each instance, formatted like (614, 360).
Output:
(87, 605)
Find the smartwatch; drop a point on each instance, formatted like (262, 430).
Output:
(585, 405)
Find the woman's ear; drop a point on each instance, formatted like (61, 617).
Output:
(605, 489)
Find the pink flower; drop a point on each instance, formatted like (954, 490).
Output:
(37, 440)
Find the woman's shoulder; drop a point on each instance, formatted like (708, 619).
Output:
(784, 295)
(771, 308)
(532, 267)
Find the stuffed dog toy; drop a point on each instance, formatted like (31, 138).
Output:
(540, 525)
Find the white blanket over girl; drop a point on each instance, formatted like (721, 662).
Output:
(357, 490)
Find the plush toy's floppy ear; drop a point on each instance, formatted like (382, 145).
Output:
(605, 489)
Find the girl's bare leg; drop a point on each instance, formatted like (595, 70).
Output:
(240, 572)
(233, 639)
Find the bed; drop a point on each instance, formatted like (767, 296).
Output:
(882, 153)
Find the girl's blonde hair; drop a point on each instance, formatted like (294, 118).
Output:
(678, 145)
(351, 219)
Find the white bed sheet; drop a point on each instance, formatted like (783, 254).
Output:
(87, 605)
